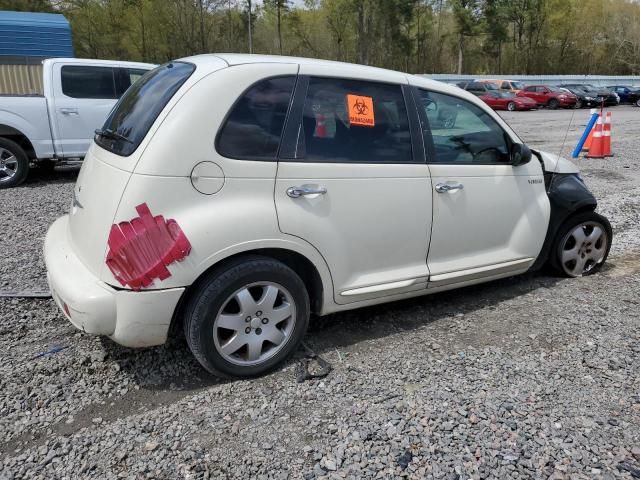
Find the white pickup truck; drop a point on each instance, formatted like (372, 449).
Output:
(57, 122)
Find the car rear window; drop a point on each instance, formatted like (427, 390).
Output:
(133, 115)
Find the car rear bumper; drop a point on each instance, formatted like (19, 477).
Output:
(130, 318)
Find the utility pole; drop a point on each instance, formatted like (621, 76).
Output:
(250, 39)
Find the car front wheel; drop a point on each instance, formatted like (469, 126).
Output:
(582, 245)
(638, 103)
(511, 106)
(245, 319)
(553, 104)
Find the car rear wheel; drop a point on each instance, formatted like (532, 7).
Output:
(582, 245)
(14, 164)
(578, 104)
(553, 104)
(245, 319)
(511, 106)
(638, 103)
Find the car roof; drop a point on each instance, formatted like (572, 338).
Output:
(211, 60)
(91, 61)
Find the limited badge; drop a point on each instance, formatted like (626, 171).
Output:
(360, 110)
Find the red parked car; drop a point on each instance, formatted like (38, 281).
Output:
(503, 100)
(549, 96)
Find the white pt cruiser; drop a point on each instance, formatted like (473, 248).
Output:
(235, 195)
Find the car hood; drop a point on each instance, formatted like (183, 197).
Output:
(556, 164)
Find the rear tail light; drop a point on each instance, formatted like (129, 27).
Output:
(141, 249)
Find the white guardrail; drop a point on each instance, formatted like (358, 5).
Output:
(598, 80)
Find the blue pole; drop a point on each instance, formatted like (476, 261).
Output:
(585, 134)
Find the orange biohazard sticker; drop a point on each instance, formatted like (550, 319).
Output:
(360, 110)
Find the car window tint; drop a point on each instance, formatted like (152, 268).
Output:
(463, 132)
(139, 107)
(506, 85)
(254, 126)
(355, 121)
(88, 82)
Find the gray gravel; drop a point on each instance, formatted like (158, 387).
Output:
(529, 377)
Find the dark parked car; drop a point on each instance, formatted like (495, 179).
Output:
(601, 93)
(549, 96)
(627, 94)
(584, 98)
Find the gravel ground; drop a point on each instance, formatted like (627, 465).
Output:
(529, 377)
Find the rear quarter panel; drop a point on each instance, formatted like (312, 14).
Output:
(29, 116)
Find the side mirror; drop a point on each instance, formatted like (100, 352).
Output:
(520, 154)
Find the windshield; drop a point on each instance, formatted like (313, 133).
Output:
(517, 85)
(491, 86)
(556, 89)
(133, 115)
(507, 94)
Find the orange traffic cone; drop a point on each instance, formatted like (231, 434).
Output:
(321, 126)
(587, 143)
(596, 149)
(606, 136)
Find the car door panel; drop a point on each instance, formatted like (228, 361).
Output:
(499, 216)
(372, 221)
(489, 217)
(76, 117)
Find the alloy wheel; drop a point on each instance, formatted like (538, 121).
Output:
(8, 165)
(511, 106)
(583, 248)
(254, 323)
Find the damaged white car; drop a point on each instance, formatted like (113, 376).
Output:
(236, 195)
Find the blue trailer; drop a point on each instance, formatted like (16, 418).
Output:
(27, 37)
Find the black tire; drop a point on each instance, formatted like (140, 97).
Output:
(560, 242)
(213, 292)
(578, 104)
(21, 163)
(638, 102)
(553, 104)
(511, 106)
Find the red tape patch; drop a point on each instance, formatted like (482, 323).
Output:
(141, 249)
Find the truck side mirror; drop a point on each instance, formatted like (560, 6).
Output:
(520, 154)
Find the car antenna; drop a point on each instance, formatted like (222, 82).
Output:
(566, 133)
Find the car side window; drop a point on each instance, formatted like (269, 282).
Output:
(253, 128)
(530, 89)
(506, 86)
(463, 132)
(354, 121)
(79, 81)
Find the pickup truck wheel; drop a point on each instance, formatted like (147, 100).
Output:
(553, 104)
(245, 319)
(14, 164)
(582, 245)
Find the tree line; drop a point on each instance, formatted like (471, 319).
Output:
(420, 36)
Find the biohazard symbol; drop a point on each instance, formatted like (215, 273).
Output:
(360, 110)
(360, 107)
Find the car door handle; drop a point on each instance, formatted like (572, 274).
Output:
(448, 187)
(297, 192)
(69, 111)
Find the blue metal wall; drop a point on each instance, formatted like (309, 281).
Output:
(26, 34)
